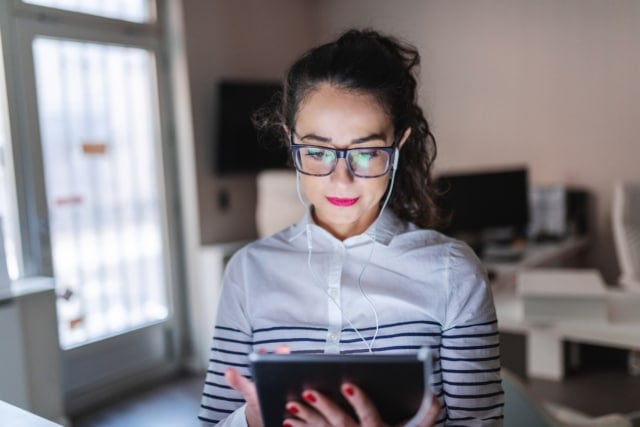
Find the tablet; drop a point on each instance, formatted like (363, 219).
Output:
(394, 383)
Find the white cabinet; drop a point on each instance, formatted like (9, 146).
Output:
(29, 349)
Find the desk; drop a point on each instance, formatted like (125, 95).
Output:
(557, 254)
(545, 350)
(15, 417)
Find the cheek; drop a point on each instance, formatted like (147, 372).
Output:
(311, 186)
(377, 189)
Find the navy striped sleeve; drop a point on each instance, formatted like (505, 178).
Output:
(232, 343)
(470, 347)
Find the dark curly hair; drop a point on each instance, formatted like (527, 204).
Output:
(384, 67)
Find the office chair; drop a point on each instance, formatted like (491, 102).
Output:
(626, 232)
(522, 409)
(278, 204)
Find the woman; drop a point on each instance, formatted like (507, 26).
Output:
(363, 271)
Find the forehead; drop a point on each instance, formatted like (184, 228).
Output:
(334, 112)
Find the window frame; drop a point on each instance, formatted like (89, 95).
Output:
(20, 23)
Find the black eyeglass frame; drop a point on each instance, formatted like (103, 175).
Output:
(340, 154)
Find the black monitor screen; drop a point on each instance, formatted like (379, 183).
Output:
(238, 149)
(485, 200)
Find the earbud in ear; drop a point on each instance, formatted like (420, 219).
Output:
(396, 157)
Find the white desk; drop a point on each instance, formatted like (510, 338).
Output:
(545, 350)
(15, 417)
(558, 254)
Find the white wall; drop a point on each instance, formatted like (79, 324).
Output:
(240, 39)
(553, 84)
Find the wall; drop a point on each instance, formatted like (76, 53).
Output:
(240, 39)
(549, 84)
(552, 84)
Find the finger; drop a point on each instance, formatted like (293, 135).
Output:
(241, 384)
(282, 349)
(327, 408)
(365, 410)
(304, 413)
(248, 391)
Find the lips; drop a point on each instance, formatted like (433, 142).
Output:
(342, 201)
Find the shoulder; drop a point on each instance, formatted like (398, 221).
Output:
(462, 259)
(283, 241)
(455, 252)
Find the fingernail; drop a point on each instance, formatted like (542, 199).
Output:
(309, 397)
(349, 390)
(262, 350)
(292, 409)
(286, 424)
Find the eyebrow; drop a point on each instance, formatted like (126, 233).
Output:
(368, 138)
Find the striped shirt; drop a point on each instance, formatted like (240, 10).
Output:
(305, 288)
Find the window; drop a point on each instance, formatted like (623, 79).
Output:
(95, 179)
(99, 153)
(128, 10)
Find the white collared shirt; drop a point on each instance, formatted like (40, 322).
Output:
(305, 288)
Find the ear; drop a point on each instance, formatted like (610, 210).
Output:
(404, 138)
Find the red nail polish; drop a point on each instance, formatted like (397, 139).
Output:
(286, 424)
(349, 390)
(292, 410)
(309, 397)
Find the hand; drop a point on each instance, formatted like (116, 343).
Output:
(248, 390)
(323, 412)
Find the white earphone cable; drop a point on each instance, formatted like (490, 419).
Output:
(373, 244)
(336, 303)
(370, 344)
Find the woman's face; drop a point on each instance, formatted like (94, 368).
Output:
(331, 116)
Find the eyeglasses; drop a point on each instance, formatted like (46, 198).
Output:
(362, 162)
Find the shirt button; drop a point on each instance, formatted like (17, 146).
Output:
(332, 337)
(333, 292)
(339, 250)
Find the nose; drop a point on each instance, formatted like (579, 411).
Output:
(341, 173)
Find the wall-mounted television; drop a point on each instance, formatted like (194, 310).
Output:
(237, 147)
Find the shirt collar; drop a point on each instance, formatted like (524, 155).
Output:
(381, 231)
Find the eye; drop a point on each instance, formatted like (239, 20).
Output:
(319, 154)
(364, 155)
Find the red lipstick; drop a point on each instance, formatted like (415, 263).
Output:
(340, 201)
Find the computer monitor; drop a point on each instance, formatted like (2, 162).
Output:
(483, 201)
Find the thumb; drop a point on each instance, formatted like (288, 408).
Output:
(248, 390)
(240, 384)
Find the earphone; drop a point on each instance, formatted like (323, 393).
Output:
(306, 205)
(369, 345)
(396, 157)
(335, 302)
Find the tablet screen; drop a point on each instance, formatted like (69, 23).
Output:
(394, 383)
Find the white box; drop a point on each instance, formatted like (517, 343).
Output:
(563, 294)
